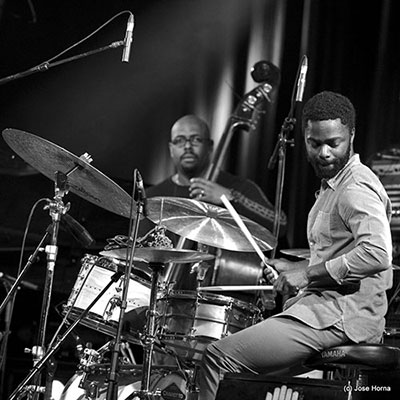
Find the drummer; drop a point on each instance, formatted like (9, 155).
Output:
(341, 290)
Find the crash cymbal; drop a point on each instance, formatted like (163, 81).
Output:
(159, 255)
(300, 253)
(85, 181)
(207, 224)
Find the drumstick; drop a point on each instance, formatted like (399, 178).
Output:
(235, 288)
(247, 233)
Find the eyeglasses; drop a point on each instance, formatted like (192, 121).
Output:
(194, 140)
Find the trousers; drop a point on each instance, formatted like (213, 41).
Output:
(278, 345)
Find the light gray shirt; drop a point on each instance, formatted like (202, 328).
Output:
(349, 229)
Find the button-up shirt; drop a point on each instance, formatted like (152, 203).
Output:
(348, 229)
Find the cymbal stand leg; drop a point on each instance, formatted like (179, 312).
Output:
(43, 360)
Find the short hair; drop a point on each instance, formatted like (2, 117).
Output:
(329, 105)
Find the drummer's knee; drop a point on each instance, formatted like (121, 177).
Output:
(212, 355)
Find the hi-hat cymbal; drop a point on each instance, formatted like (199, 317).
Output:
(159, 255)
(207, 224)
(85, 181)
(300, 253)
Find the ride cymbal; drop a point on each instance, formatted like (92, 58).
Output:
(83, 179)
(207, 224)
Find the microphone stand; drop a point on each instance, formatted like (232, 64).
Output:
(53, 348)
(112, 388)
(279, 152)
(47, 65)
(8, 301)
(19, 278)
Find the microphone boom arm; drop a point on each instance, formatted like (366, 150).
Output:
(47, 65)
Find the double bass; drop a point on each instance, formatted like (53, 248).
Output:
(232, 267)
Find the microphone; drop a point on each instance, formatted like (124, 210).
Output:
(77, 230)
(301, 83)
(11, 279)
(141, 192)
(128, 39)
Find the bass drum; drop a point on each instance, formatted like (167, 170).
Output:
(93, 385)
(168, 383)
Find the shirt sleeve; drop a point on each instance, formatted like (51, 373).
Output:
(366, 213)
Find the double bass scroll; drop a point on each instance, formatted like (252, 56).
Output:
(245, 116)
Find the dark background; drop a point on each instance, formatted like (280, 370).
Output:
(187, 56)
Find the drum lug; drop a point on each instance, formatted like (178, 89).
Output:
(112, 304)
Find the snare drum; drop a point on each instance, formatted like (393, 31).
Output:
(94, 275)
(189, 321)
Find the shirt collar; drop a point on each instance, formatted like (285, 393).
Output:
(335, 181)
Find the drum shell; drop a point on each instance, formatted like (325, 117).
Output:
(189, 321)
(228, 268)
(236, 268)
(94, 275)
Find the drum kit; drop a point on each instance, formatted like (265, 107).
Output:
(109, 289)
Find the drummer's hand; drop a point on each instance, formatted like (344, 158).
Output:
(292, 275)
(205, 190)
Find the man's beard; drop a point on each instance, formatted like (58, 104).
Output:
(192, 170)
(329, 171)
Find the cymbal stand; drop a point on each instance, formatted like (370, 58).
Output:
(112, 389)
(150, 335)
(56, 209)
(22, 387)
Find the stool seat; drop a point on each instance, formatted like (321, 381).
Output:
(365, 356)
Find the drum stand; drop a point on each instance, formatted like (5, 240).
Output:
(149, 339)
(149, 336)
